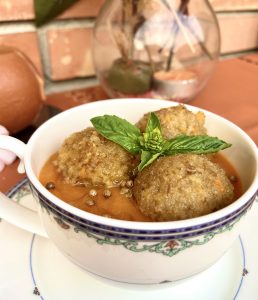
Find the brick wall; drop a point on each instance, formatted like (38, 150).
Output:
(61, 50)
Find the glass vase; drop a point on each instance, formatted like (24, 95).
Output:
(155, 48)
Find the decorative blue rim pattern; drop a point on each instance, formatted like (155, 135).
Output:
(144, 235)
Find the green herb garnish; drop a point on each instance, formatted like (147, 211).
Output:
(151, 144)
(47, 10)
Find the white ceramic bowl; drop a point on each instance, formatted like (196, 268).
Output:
(135, 252)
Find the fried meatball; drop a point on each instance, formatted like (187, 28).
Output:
(181, 187)
(176, 120)
(88, 158)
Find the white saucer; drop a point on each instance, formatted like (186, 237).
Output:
(32, 268)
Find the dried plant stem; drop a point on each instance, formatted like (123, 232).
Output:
(129, 25)
(171, 52)
(183, 30)
(150, 58)
(125, 18)
(131, 21)
(183, 8)
(202, 45)
(123, 15)
(113, 37)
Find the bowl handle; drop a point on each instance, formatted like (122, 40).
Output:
(11, 211)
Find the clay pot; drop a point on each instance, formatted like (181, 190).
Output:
(21, 90)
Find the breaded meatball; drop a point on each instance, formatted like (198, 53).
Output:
(88, 158)
(176, 120)
(181, 187)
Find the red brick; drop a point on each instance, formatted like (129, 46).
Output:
(27, 42)
(83, 8)
(70, 53)
(232, 5)
(238, 32)
(16, 10)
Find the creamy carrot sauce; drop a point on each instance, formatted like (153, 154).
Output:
(116, 206)
(231, 173)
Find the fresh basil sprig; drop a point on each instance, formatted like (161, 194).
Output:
(151, 144)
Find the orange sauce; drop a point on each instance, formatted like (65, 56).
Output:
(230, 172)
(116, 206)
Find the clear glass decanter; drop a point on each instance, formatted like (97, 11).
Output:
(155, 48)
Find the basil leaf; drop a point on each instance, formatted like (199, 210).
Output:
(153, 123)
(48, 10)
(119, 131)
(146, 159)
(198, 144)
